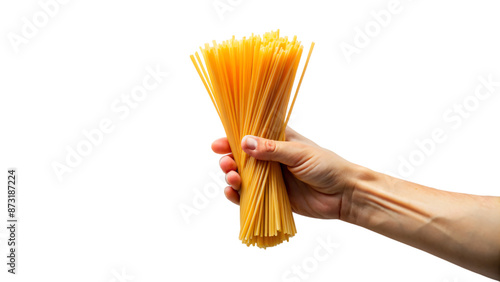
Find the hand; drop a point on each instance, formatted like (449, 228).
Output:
(460, 228)
(316, 179)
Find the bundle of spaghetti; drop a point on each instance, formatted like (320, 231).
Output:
(250, 83)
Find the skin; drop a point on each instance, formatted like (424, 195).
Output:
(461, 228)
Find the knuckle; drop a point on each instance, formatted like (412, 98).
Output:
(270, 146)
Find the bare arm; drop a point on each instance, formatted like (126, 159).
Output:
(463, 229)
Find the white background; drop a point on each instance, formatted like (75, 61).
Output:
(116, 216)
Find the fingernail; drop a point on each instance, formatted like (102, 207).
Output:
(251, 143)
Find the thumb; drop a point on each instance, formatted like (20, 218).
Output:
(285, 152)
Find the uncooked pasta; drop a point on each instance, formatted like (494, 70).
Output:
(250, 83)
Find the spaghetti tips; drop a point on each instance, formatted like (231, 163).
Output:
(250, 83)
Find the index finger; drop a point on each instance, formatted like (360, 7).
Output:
(221, 146)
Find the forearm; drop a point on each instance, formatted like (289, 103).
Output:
(463, 229)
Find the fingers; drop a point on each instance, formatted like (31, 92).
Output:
(227, 163)
(285, 152)
(228, 166)
(232, 195)
(290, 153)
(233, 179)
(231, 192)
(221, 146)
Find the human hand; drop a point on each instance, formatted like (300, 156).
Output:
(316, 178)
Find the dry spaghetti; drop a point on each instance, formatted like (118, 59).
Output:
(250, 83)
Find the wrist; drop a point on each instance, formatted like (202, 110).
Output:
(361, 182)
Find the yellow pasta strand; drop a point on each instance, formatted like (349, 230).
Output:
(250, 82)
